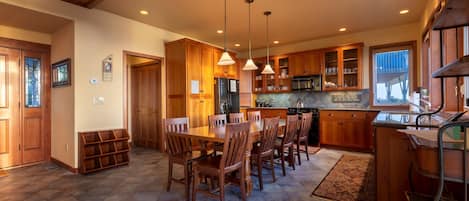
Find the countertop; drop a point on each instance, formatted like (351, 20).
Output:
(402, 120)
(350, 109)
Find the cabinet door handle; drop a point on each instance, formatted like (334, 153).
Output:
(330, 114)
(354, 115)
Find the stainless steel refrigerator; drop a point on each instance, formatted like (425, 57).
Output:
(226, 96)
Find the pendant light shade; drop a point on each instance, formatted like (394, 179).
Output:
(250, 65)
(225, 59)
(267, 69)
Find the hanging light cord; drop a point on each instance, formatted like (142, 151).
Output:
(224, 35)
(250, 52)
(267, 35)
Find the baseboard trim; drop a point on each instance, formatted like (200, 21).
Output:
(62, 164)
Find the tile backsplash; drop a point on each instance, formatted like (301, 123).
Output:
(336, 99)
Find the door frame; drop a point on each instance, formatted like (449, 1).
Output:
(126, 88)
(46, 96)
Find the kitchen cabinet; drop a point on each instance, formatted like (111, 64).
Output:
(190, 81)
(342, 68)
(272, 83)
(348, 129)
(305, 63)
(231, 71)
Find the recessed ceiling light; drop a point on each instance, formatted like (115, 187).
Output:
(144, 12)
(402, 12)
(343, 29)
(237, 45)
(219, 31)
(276, 42)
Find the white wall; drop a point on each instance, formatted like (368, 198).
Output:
(408, 32)
(25, 35)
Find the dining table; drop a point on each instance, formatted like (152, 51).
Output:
(217, 135)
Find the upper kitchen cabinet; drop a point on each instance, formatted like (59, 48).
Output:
(272, 83)
(343, 68)
(231, 71)
(305, 63)
(190, 81)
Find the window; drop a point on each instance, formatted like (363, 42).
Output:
(391, 73)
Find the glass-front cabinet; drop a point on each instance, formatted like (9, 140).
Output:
(272, 83)
(343, 68)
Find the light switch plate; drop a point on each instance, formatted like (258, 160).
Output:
(94, 81)
(98, 100)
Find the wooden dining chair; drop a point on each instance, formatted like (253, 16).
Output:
(236, 117)
(217, 120)
(254, 116)
(179, 151)
(305, 126)
(264, 149)
(286, 142)
(234, 150)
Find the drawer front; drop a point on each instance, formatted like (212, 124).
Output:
(343, 115)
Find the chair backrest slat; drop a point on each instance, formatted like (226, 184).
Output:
(177, 144)
(217, 120)
(291, 130)
(269, 134)
(236, 117)
(306, 120)
(234, 148)
(254, 116)
(176, 124)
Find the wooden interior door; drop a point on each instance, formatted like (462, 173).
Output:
(10, 153)
(146, 101)
(35, 88)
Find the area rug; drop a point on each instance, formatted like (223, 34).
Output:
(351, 179)
(3, 173)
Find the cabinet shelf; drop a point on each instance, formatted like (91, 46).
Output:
(351, 59)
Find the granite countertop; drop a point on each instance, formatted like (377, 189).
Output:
(271, 108)
(350, 109)
(401, 120)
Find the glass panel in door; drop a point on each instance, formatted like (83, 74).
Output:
(32, 82)
(350, 70)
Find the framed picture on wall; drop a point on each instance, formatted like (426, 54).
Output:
(107, 68)
(61, 73)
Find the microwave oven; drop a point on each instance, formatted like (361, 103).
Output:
(307, 83)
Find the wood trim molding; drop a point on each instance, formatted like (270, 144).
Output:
(24, 45)
(413, 72)
(62, 164)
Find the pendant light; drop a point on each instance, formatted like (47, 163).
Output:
(267, 68)
(225, 59)
(250, 65)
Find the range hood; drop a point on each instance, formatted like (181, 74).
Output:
(459, 68)
(452, 14)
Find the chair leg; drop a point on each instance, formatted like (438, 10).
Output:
(195, 184)
(298, 152)
(259, 172)
(291, 156)
(272, 166)
(221, 181)
(306, 148)
(282, 159)
(243, 183)
(170, 175)
(187, 180)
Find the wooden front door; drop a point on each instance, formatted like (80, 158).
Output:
(145, 105)
(24, 113)
(10, 138)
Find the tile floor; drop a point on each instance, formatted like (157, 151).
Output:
(145, 179)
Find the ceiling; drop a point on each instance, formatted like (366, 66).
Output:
(23, 18)
(291, 20)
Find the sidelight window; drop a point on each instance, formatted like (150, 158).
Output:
(32, 82)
